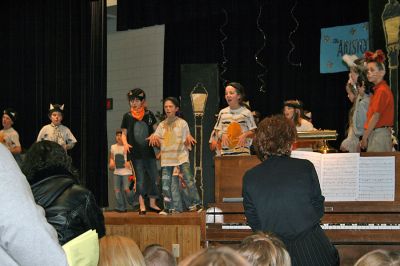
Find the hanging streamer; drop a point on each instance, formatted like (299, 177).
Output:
(261, 76)
(222, 42)
(290, 36)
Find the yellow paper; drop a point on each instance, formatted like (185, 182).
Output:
(83, 250)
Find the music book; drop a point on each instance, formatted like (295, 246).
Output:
(83, 249)
(350, 177)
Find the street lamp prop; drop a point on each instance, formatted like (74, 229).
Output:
(199, 96)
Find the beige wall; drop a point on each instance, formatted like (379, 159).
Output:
(134, 59)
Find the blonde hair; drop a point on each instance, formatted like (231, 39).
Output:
(219, 256)
(157, 255)
(379, 257)
(264, 249)
(119, 251)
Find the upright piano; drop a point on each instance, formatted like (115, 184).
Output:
(355, 227)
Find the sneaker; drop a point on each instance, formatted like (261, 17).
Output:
(168, 212)
(164, 212)
(196, 208)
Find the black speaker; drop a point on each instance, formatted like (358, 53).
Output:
(199, 82)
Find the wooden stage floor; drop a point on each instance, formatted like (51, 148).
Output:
(186, 229)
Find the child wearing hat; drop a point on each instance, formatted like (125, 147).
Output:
(137, 125)
(380, 115)
(357, 89)
(9, 136)
(293, 110)
(55, 131)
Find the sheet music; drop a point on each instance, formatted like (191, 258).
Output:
(313, 157)
(340, 176)
(349, 177)
(377, 178)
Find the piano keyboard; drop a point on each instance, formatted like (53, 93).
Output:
(235, 226)
(364, 226)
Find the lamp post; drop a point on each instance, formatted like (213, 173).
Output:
(391, 27)
(198, 97)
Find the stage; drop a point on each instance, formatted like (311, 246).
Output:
(185, 229)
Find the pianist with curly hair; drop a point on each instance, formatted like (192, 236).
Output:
(282, 195)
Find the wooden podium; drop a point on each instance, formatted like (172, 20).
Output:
(229, 172)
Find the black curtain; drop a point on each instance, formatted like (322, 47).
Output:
(55, 52)
(192, 35)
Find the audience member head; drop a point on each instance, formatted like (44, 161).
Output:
(119, 251)
(156, 255)
(45, 158)
(375, 65)
(265, 250)
(26, 237)
(293, 110)
(219, 256)
(56, 113)
(275, 136)
(234, 94)
(379, 257)
(9, 117)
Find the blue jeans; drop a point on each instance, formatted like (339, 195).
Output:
(121, 183)
(171, 188)
(142, 166)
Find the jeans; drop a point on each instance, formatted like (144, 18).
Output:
(121, 183)
(170, 189)
(173, 195)
(142, 166)
(190, 194)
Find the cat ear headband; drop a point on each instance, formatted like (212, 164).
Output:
(56, 108)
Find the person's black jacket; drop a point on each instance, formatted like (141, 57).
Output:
(282, 195)
(70, 208)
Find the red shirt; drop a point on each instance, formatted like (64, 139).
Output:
(381, 102)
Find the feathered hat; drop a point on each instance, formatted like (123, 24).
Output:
(355, 63)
